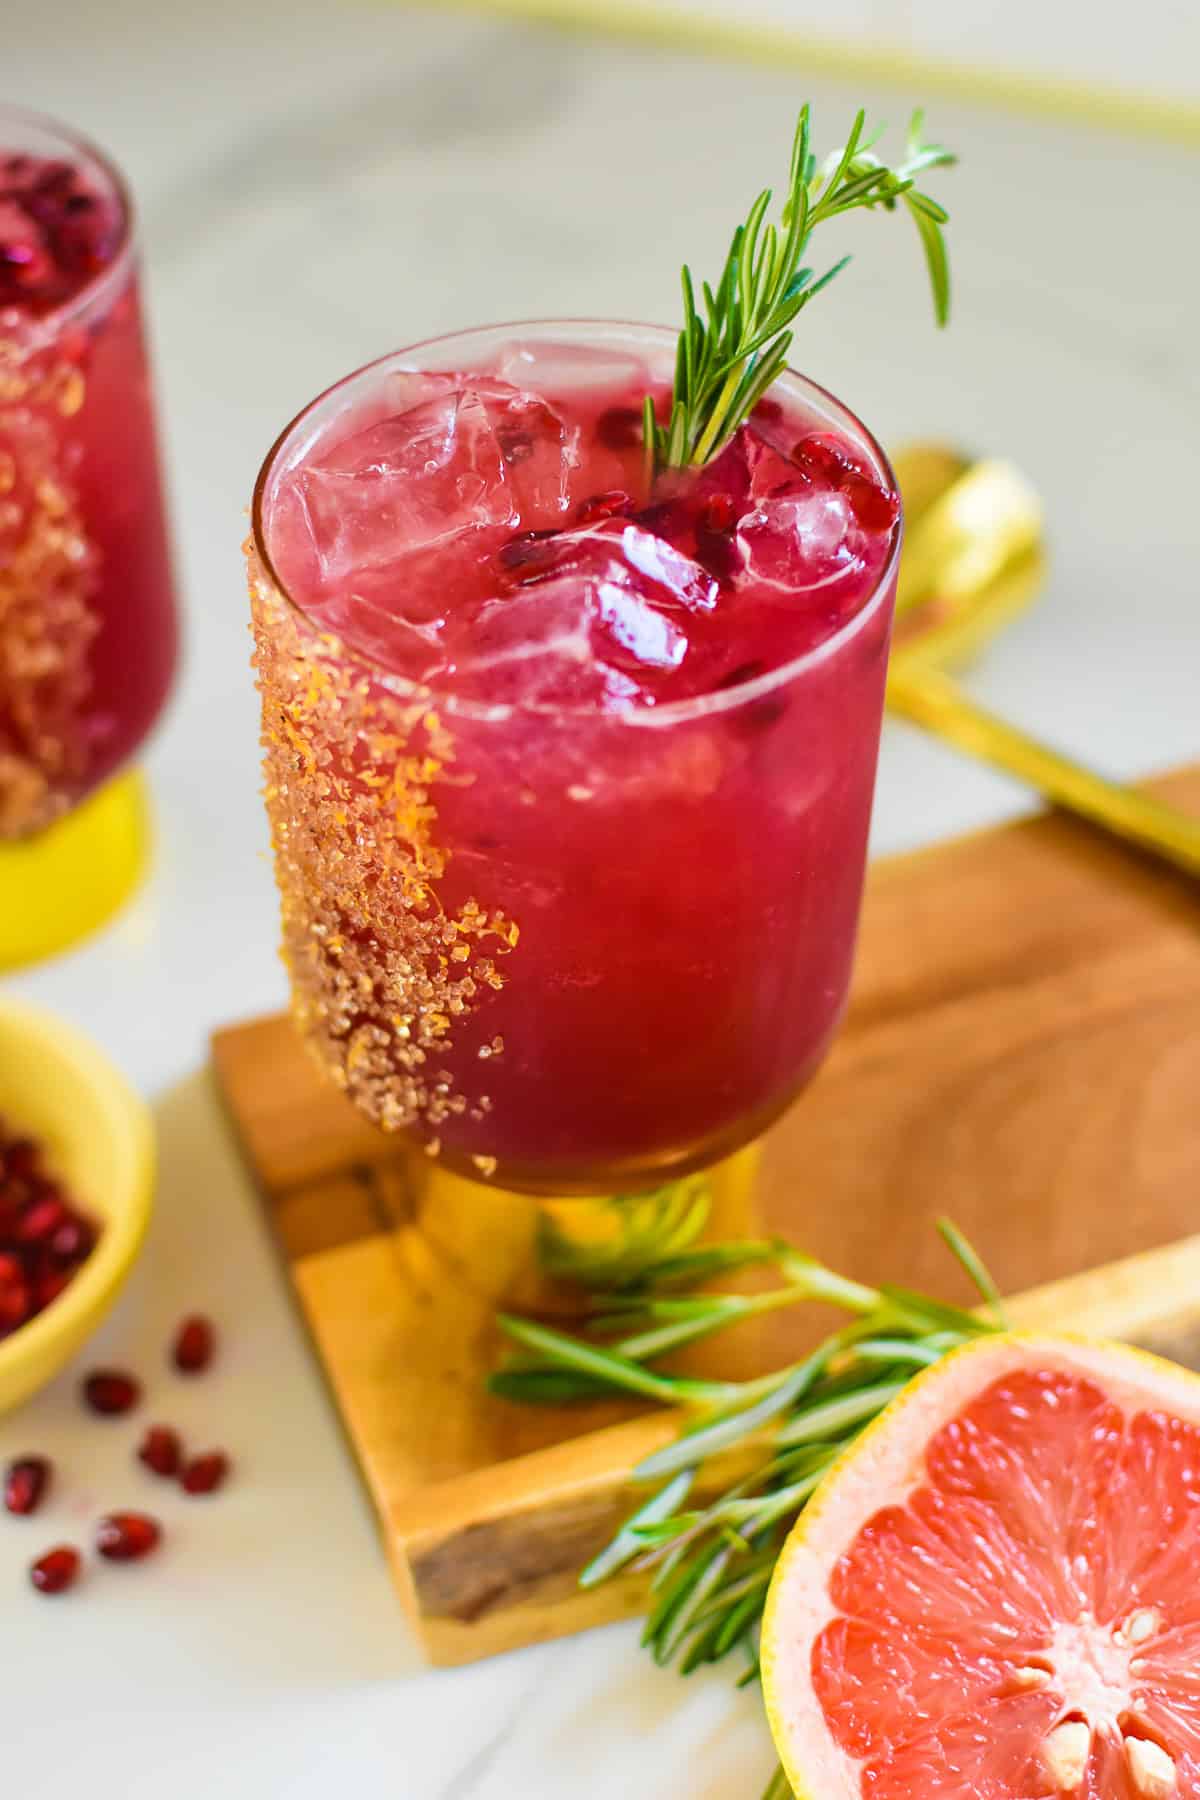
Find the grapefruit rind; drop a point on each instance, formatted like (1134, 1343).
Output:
(882, 1468)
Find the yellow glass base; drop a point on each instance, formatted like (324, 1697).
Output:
(535, 1255)
(63, 884)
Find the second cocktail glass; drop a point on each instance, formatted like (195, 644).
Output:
(569, 783)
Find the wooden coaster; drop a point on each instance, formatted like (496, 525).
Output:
(1022, 1052)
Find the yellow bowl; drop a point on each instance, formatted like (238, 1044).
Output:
(57, 1086)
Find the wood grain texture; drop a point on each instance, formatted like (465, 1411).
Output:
(1022, 1051)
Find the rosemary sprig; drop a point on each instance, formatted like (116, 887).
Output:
(710, 1542)
(728, 358)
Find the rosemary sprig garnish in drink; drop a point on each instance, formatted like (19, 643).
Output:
(727, 359)
(728, 1489)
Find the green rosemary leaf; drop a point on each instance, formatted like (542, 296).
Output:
(546, 1386)
(726, 360)
(778, 1788)
(966, 1254)
(924, 1315)
(934, 246)
(617, 1371)
(835, 1416)
(627, 1544)
(730, 1428)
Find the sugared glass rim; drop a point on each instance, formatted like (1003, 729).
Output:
(649, 717)
(80, 148)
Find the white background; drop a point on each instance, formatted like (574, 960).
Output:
(320, 184)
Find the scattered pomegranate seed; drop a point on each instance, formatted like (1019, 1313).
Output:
(111, 1391)
(204, 1474)
(56, 1571)
(620, 428)
(25, 1483)
(127, 1536)
(604, 506)
(194, 1344)
(161, 1450)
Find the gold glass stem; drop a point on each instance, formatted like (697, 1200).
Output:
(511, 1250)
(932, 700)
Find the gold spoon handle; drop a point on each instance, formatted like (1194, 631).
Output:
(930, 699)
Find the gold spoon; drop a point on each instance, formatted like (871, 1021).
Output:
(974, 557)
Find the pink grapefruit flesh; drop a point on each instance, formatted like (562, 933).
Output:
(996, 1593)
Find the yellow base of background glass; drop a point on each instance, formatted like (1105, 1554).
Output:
(62, 885)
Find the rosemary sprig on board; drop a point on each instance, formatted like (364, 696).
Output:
(729, 354)
(726, 1492)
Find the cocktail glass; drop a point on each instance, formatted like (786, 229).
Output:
(88, 632)
(581, 953)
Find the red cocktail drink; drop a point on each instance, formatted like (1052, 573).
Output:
(87, 616)
(569, 772)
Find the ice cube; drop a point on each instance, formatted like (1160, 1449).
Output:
(571, 369)
(623, 554)
(576, 639)
(540, 452)
(412, 482)
(801, 541)
(536, 649)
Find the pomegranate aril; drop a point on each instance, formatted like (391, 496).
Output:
(195, 1342)
(25, 1483)
(767, 411)
(873, 506)
(204, 1474)
(20, 1159)
(527, 552)
(111, 1391)
(73, 1240)
(42, 1220)
(127, 1536)
(719, 513)
(161, 1450)
(16, 1305)
(56, 1571)
(620, 428)
(609, 505)
(50, 1286)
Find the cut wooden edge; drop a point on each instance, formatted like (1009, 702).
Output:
(1139, 1298)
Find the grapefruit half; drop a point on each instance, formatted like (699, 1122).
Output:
(995, 1594)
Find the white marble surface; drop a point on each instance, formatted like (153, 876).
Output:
(320, 184)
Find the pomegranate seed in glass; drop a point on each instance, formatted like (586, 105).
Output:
(88, 633)
(569, 777)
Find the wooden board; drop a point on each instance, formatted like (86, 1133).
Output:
(1022, 1051)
